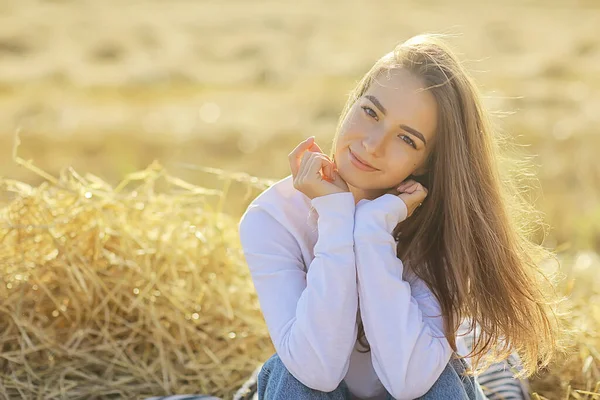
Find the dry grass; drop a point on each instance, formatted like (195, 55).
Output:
(123, 292)
(141, 290)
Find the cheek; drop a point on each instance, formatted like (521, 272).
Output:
(401, 163)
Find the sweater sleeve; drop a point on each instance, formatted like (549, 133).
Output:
(402, 320)
(311, 316)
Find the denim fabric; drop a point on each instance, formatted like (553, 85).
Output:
(276, 383)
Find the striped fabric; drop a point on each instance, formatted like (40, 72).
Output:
(499, 383)
(246, 392)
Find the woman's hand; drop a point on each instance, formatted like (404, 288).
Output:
(314, 173)
(412, 193)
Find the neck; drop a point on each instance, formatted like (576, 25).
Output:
(369, 194)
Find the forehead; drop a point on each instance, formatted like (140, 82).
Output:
(405, 100)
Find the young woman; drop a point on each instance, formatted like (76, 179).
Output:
(367, 261)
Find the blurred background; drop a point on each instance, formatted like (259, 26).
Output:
(109, 86)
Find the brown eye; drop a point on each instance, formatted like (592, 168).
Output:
(370, 112)
(408, 140)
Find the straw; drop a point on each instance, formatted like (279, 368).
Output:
(124, 292)
(142, 290)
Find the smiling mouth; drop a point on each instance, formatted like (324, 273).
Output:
(360, 163)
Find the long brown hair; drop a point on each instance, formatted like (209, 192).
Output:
(468, 241)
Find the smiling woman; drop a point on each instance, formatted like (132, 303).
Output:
(373, 262)
(367, 295)
(390, 130)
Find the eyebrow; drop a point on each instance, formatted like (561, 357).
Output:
(405, 127)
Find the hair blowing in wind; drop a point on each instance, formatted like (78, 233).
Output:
(469, 241)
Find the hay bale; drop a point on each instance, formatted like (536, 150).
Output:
(125, 292)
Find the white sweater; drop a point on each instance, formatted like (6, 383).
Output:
(310, 270)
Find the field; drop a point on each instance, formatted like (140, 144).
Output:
(107, 87)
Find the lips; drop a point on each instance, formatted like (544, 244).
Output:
(361, 160)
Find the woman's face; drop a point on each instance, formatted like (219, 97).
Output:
(391, 127)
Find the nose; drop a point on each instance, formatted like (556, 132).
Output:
(374, 143)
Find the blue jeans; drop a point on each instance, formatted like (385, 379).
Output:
(276, 383)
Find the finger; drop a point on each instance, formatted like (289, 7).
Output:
(329, 171)
(315, 162)
(295, 156)
(405, 184)
(320, 162)
(303, 163)
(315, 148)
(414, 198)
(419, 190)
(412, 188)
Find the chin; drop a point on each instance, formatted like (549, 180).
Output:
(356, 181)
(354, 177)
